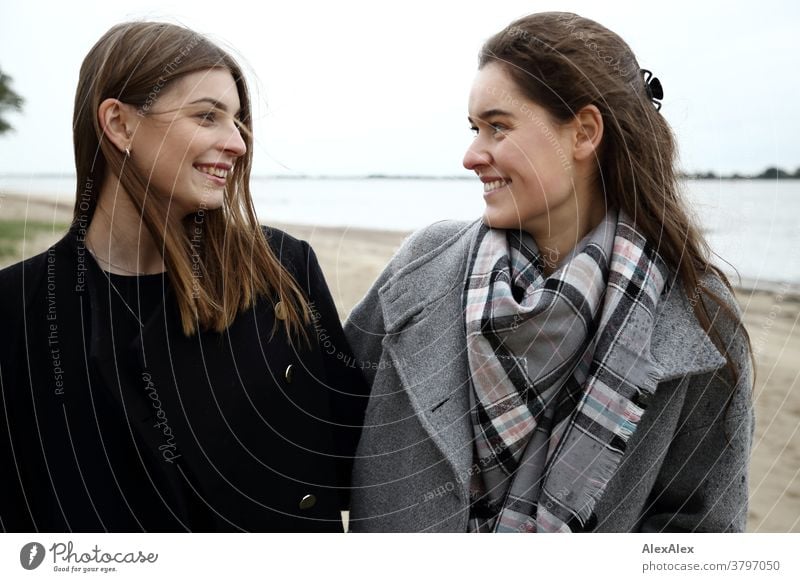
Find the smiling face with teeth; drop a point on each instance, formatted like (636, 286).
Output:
(187, 144)
(523, 157)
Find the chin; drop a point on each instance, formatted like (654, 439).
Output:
(209, 200)
(493, 220)
(214, 204)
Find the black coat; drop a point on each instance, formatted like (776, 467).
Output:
(214, 432)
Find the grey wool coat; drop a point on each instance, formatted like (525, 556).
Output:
(684, 468)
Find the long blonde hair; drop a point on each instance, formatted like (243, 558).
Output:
(133, 62)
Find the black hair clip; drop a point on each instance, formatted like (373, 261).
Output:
(655, 92)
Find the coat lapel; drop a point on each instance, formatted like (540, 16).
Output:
(678, 344)
(426, 342)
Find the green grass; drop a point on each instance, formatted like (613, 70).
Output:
(12, 233)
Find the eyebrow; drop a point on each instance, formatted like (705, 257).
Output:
(492, 113)
(217, 104)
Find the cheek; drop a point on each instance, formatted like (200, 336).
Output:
(167, 170)
(529, 157)
(552, 167)
(169, 175)
(516, 162)
(179, 155)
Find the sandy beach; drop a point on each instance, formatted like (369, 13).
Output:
(353, 258)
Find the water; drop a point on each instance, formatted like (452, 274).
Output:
(752, 224)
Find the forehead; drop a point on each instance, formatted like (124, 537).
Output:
(216, 84)
(492, 88)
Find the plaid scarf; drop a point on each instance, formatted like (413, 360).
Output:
(560, 371)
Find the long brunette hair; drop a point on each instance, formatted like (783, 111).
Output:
(232, 265)
(564, 62)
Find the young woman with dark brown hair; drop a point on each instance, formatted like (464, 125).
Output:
(160, 365)
(572, 361)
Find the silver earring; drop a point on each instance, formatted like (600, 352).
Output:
(127, 151)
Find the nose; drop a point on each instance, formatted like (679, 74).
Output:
(475, 157)
(232, 142)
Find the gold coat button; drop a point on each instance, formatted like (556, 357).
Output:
(280, 310)
(308, 501)
(289, 374)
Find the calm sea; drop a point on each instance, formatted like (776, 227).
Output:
(752, 224)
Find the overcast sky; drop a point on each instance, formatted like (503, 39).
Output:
(356, 88)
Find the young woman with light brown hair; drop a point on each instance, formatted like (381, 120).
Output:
(573, 361)
(160, 365)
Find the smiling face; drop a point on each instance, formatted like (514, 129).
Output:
(523, 157)
(187, 143)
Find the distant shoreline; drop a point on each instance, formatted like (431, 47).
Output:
(46, 206)
(699, 177)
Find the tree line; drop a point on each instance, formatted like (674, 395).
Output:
(771, 173)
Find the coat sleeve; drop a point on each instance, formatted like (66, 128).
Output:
(703, 482)
(347, 389)
(365, 329)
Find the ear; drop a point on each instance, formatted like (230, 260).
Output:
(117, 122)
(589, 132)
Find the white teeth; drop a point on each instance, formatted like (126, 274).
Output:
(218, 172)
(489, 186)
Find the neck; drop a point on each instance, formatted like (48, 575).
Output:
(562, 229)
(117, 236)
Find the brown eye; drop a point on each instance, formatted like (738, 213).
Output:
(208, 117)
